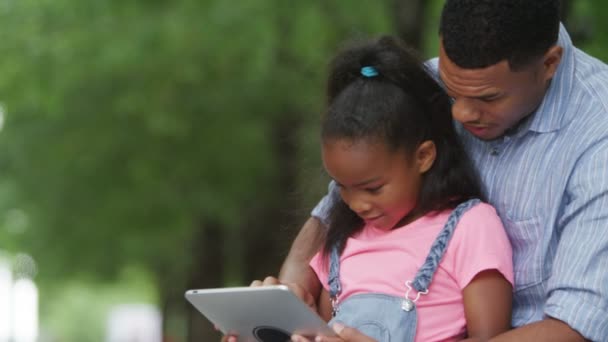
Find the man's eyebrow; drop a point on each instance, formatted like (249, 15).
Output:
(483, 97)
(488, 96)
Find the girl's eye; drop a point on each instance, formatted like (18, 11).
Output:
(374, 190)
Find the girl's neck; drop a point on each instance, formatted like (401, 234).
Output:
(409, 218)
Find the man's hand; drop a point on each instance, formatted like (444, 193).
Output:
(548, 329)
(345, 334)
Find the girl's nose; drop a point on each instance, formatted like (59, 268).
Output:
(360, 207)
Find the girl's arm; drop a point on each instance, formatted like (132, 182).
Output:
(324, 305)
(487, 305)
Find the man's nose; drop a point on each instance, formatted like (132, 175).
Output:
(465, 110)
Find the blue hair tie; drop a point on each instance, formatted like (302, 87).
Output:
(369, 71)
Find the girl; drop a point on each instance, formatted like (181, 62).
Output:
(410, 254)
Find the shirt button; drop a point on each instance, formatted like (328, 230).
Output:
(494, 151)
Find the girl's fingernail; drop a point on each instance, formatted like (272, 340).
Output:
(338, 328)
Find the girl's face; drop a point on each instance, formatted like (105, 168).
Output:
(379, 185)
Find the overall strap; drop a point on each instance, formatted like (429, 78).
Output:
(425, 273)
(333, 279)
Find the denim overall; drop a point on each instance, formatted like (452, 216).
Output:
(389, 318)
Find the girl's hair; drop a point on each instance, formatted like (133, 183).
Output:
(401, 105)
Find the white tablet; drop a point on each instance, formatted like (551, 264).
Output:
(258, 314)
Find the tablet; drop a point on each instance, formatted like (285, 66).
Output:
(258, 314)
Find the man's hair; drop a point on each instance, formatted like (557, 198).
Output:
(481, 33)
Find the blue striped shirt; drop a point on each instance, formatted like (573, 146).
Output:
(548, 179)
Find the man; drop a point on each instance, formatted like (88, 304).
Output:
(532, 112)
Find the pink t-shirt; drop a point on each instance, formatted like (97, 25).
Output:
(382, 261)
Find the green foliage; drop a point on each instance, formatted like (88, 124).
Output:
(128, 123)
(588, 21)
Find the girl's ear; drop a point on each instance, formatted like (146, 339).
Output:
(425, 156)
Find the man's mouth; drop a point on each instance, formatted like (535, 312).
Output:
(478, 130)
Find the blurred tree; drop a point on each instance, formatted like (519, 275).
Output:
(162, 133)
(589, 27)
(410, 20)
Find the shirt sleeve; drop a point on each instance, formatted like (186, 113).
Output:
(321, 211)
(479, 244)
(578, 287)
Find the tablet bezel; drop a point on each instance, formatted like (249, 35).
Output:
(240, 310)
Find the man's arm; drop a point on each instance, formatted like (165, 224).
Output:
(549, 329)
(311, 237)
(576, 306)
(296, 267)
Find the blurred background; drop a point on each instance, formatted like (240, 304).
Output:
(149, 147)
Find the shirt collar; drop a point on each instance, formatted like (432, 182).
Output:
(551, 114)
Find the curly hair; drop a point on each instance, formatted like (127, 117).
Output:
(480, 33)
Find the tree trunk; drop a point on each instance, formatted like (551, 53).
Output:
(409, 18)
(270, 226)
(206, 272)
(565, 10)
(580, 31)
(266, 234)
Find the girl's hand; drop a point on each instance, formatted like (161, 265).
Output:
(345, 334)
(298, 290)
(229, 338)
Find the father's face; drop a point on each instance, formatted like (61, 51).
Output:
(489, 101)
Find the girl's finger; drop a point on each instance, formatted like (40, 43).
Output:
(256, 283)
(298, 338)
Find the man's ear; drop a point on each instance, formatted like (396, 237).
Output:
(425, 156)
(551, 61)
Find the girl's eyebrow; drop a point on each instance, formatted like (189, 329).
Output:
(360, 184)
(367, 182)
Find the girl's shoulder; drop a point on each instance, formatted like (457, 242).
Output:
(480, 222)
(481, 213)
(479, 243)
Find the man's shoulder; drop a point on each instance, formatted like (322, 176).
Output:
(587, 105)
